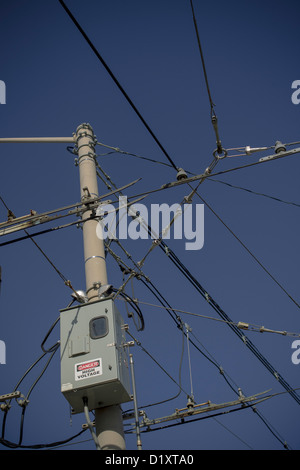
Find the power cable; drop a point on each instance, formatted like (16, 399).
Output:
(179, 324)
(176, 261)
(117, 150)
(243, 407)
(13, 445)
(28, 235)
(254, 192)
(179, 384)
(241, 325)
(52, 350)
(248, 251)
(94, 49)
(89, 423)
(135, 307)
(214, 118)
(42, 232)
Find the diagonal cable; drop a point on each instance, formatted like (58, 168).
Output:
(117, 82)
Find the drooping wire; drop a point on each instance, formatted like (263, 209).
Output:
(13, 445)
(52, 350)
(179, 384)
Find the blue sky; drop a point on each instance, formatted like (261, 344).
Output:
(54, 82)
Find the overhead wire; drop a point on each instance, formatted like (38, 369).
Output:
(52, 350)
(248, 251)
(28, 235)
(146, 281)
(214, 118)
(41, 232)
(209, 177)
(116, 81)
(182, 268)
(218, 142)
(224, 374)
(103, 64)
(179, 384)
(240, 324)
(254, 192)
(194, 191)
(123, 152)
(176, 261)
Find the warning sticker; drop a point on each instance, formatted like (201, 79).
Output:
(88, 369)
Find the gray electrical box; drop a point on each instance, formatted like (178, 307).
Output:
(93, 357)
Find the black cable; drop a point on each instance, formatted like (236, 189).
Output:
(24, 407)
(249, 252)
(117, 82)
(214, 118)
(133, 305)
(52, 348)
(254, 192)
(179, 324)
(176, 261)
(202, 59)
(123, 152)
(13, 445)
(42, 232)
(243, 407)
(222, 314)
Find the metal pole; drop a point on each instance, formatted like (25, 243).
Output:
(136, 412)
(109, 421)
(36, 140)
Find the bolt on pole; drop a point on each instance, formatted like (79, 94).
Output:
(108, 420)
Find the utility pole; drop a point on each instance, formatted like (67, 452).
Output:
(108, 420)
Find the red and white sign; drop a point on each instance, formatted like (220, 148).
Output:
(88, 369)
